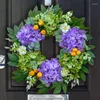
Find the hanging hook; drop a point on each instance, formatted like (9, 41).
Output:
(47, 2)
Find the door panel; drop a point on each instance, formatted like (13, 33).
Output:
(95, 30)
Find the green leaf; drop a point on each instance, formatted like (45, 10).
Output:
(58, 32)
(43, 90)
(91, 61)
(64, 87)
(35, 11)
(91, 54)
(29, 20)
(89, 37)
(19, 76)
(16, 28)
(57, 89)
(43, 9)
(11, 35)
(56, 8)
(21, 25)
(37, 46)
(58, 38)
(79, 22)
(31, 14)
(14, 64)
(40, 86)
(82, 76)
(90, 47)
(10, 30)
(13, 57)
(85, 69)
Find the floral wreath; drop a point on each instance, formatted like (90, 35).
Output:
(54, 74)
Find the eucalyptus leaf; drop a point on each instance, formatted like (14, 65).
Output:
(31, 14)
(43, 9)
(35, 11)
(58, 38)
(16, 28)
(21, 25)
(10, 31)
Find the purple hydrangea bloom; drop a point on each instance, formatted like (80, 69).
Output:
(51, 71)
(27, 35)
(73, 38)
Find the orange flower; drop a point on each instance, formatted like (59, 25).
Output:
(78, 52)
(36, 27)
(36, 70)
(43, 32)
(73, 54)
(31, 73)
(39, 74)
(74, 50)
(40, 22)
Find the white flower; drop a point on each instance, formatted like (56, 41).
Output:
(69, 13)
(74, 83)
(64, 27)
(64, 72)
(22, 50)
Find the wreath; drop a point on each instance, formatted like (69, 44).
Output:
(56, 74)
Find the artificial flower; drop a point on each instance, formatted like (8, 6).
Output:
(64, 27)
(74, 38)
(27, 34)
(51, 71)
(22, 50)
(64, 72)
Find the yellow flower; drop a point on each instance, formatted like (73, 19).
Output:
(40, 22)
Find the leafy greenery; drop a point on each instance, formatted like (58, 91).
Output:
(85, 69)
(13, 59)
(82, 75)
(79, 22)
(42, 89)
(19, 75)
(32, 60)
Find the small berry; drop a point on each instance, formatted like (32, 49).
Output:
(73, 54)
(43, 32)
(36, 27)
(39, 74)
(78, 52)
(31, 73)
(74, 49)
(40, 23)
(36, 70)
